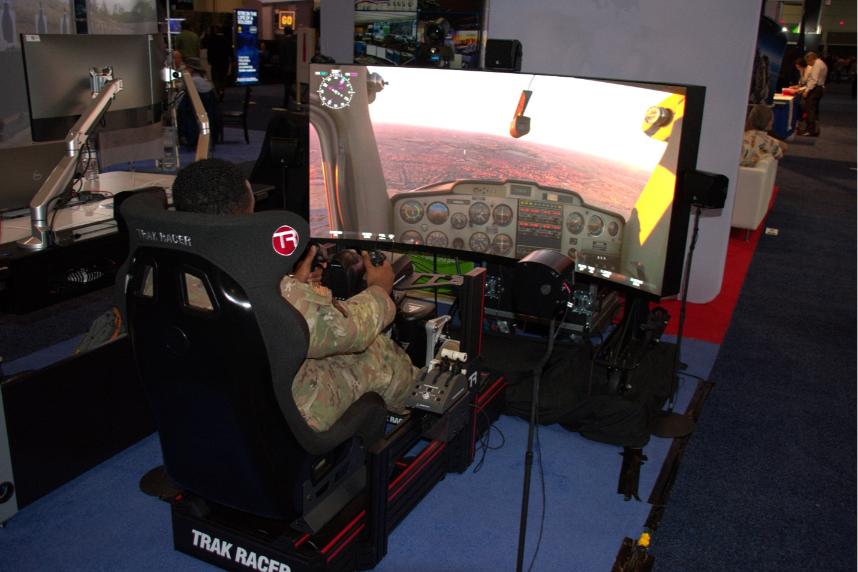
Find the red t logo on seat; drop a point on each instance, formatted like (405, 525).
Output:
(285, 240)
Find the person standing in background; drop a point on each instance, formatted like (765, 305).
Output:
(219, 49)
(813, 91)
(188, 42)
(288, 63)
(803, 70)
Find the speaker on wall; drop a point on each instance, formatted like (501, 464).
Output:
(503, 55)
(707, 190)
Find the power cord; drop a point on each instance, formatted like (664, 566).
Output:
(671, 403)
(553, 330)
(485, 442)
(61, 201)
(540, 465)
(542, 487)
(691, 375)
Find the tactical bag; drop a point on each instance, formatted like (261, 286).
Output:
(585, 397)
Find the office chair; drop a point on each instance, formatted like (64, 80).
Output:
(282, 162)
(237, 116)
(219, 374)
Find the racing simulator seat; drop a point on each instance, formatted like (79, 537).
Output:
(218, 373)
(216, 348)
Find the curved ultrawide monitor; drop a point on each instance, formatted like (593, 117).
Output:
(501, 164)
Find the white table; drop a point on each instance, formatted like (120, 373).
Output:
(90, 219)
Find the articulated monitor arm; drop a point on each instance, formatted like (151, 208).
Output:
(200, 113)
(63, 173)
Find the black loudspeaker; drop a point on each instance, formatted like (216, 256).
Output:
(503, 55)
(707, 190)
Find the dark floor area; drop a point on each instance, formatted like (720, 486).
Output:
(768, 480)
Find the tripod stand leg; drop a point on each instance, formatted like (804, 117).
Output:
(528, 470)
(528, 456)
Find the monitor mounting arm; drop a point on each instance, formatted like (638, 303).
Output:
(63, 173)
(201, 115)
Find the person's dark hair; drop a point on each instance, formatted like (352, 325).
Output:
(211, 186)
(801, 62)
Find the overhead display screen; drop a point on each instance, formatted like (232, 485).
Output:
(247, 46)
(503, 164)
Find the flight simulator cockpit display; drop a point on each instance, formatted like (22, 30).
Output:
(499, 164)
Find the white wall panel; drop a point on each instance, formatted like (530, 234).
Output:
(695, 42)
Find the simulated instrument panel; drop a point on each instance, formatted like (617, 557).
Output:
(510, 218)
(405, 154)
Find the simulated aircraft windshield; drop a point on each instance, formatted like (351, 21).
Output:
(498, 163)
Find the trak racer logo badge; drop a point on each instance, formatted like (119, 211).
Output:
(285, 240)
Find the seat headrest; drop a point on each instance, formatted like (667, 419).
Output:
(254, 249)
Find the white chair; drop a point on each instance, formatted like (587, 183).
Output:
(754, 187)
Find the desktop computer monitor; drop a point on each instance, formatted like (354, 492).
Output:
(57, 68)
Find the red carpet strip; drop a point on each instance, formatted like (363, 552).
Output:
(709, 322)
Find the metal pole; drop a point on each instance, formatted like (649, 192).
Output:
(169, 35)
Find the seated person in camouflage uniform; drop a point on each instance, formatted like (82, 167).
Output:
(347, 355)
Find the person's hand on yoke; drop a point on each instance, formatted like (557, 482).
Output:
(304, 271)
(381, 275)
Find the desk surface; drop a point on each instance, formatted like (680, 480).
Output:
(96, 216)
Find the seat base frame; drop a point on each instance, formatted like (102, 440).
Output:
(401, 469)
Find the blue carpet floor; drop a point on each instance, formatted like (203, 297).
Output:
(42, 358)
(101, 521)
(768, 481)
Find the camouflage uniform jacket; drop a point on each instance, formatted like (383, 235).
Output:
(347, 356)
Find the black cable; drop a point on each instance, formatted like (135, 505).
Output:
(435, 271)
(533, 432)
(485, 442)
(541, 478)
(82, 159)
(542, 486)
(454, 309)
(683, 300)
(610, 351)
(60, 197)
(485, 439)
(691, 375)
(71, 191)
